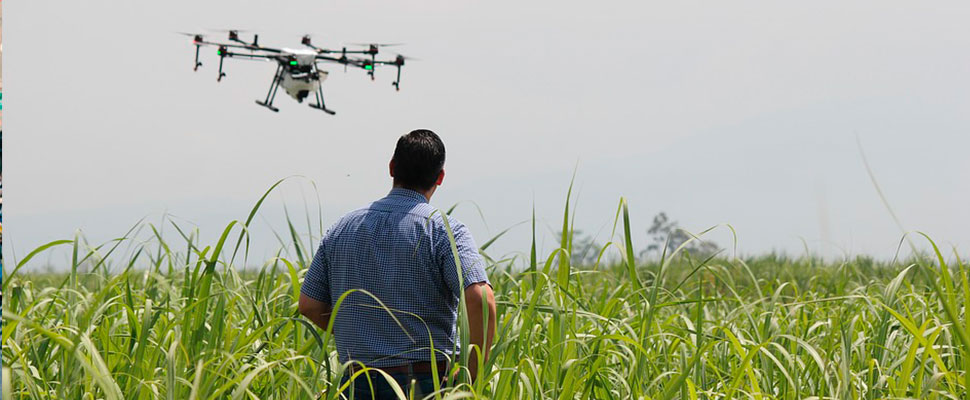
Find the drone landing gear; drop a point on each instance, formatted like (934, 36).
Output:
(326, 110)
(273, 88)
(319, 94)
(320, 104)
(269, 106)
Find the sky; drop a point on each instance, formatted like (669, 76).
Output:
(751, 115)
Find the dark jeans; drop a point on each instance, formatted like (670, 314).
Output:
(362, 388)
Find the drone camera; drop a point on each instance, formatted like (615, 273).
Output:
(302, 95)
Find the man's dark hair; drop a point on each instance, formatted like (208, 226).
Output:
(418, 158)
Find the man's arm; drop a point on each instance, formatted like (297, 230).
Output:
(316, 311)
(477, 295)
(315, 293)
(472, 280)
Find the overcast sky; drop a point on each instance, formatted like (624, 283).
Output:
(744, 113)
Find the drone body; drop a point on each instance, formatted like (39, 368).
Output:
(297, 70)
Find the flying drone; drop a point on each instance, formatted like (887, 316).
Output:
(297, 70)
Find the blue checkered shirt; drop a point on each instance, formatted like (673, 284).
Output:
(397, 249)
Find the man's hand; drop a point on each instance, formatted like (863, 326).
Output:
(477, 297)
(315, 310)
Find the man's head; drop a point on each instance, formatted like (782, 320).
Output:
(418, 161)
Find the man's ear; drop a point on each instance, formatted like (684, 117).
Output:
(390, 168)
(441, 177)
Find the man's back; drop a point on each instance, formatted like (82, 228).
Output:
(398, 250)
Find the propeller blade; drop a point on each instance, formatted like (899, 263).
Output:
(406, 57)
(197, 38)
(377, 44)
(230, 30)
(315, 35)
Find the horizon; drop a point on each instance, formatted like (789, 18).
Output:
(713, 114)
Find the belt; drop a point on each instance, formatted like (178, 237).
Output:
(417, 367)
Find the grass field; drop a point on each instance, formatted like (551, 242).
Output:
(173, 318)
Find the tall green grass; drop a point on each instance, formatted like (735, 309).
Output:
(175, 318)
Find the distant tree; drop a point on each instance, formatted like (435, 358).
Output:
(664, 232)
(585, 249)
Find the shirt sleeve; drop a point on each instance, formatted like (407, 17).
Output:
(316, 283)
(472, 263)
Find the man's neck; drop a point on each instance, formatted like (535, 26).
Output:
(426, 193)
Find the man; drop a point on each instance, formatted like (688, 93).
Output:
(397, 249)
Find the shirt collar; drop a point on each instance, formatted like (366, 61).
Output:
(408, 193)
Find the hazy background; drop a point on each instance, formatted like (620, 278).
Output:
(742, 112)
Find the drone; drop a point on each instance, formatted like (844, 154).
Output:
(297, 70)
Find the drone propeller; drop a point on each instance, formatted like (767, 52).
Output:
(307, 40)
(230, 30)
(404, 57)
(377, 44)
(233, 33)
(306, 34)
(197, 39)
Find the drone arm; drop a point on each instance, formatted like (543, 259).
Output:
(331, 59)
(386, 62)
(364, 64)
(321, 50)
(359, 63)
(261, 48)
(224, 52)
(251, 56)
(244, 46)
(397, 63)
